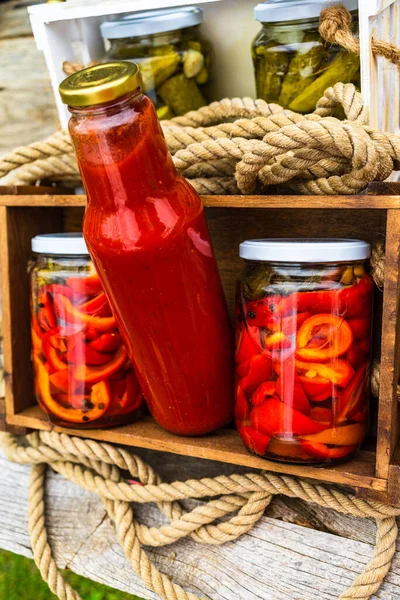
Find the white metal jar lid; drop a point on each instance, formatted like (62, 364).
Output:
(296, 10)
(60, 244)
(305, 250)
(151, 21)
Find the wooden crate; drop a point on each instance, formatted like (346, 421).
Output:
(375, 472)
(380, 79)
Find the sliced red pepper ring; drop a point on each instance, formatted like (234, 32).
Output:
(51, 354)
(126, 396)
(83, 353)
(277, 341)
(361, 327)
(45, 315)
(91, 334)
(85, 286)
(107, 342)
(325, 452)
(241, 405)
(68, 313)
(322, 337)
(353, 398)
(322, 415)
(36, 340)
(338, 372)
(254, 440)
(316, 387)
(63, 382)
(257, 370)
(261, 313)
(274, 418)
(288, 325)
(91, 375)
(58, 288)
(356, 356)
(264, 391)
(100, 398)
(248, 344)
(289, 388)
(286, 448)
(97, 306)
(346, 435)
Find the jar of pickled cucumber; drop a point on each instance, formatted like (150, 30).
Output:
(173, 57)
(293, 65)
(82, 375)
(303, 336)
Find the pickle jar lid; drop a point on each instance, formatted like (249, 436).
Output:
(151, 21)
(296, 10)
(100, 83)
(60, 244)
(307, 250)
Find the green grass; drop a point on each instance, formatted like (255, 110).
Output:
(19, 578)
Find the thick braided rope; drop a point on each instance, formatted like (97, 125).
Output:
(310, 154)
(336, 28)
(98, 467)
(40, 546)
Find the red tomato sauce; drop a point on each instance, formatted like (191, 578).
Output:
(147, 235)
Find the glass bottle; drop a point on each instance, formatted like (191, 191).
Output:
(148, 237)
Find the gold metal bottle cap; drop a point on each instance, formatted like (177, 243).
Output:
(100, 83)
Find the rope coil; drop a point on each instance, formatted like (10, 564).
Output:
(264, 146)
(98, 467)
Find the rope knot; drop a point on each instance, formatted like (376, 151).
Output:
(334, 20)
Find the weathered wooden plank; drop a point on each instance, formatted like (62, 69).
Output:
(276, 561)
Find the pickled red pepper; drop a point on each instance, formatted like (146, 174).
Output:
(82, 372)
(302, 362)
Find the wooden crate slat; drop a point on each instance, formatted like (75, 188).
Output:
(380, 79)
(388, 427)
(17, 227)
(365, 201)
(224, 445)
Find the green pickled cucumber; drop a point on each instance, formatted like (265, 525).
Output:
(164, 112)
(193, 62)
(155, 70)
(194, 45)
(259, 66)
(163, 50)
(202, 76)
(343, 68)
(302, 68)
(272, 68)
(181, 94)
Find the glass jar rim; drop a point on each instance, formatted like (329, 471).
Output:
(152, 21)
(60, 244)
(307, 250)
(288, 10)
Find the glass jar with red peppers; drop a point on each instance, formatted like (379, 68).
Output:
(303, 335)
(82, 375)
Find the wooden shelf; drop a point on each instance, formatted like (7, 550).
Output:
(297, 202)
(224, 445)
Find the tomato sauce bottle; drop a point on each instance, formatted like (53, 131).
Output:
(148, 238)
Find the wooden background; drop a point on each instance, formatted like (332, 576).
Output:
(296, 552)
